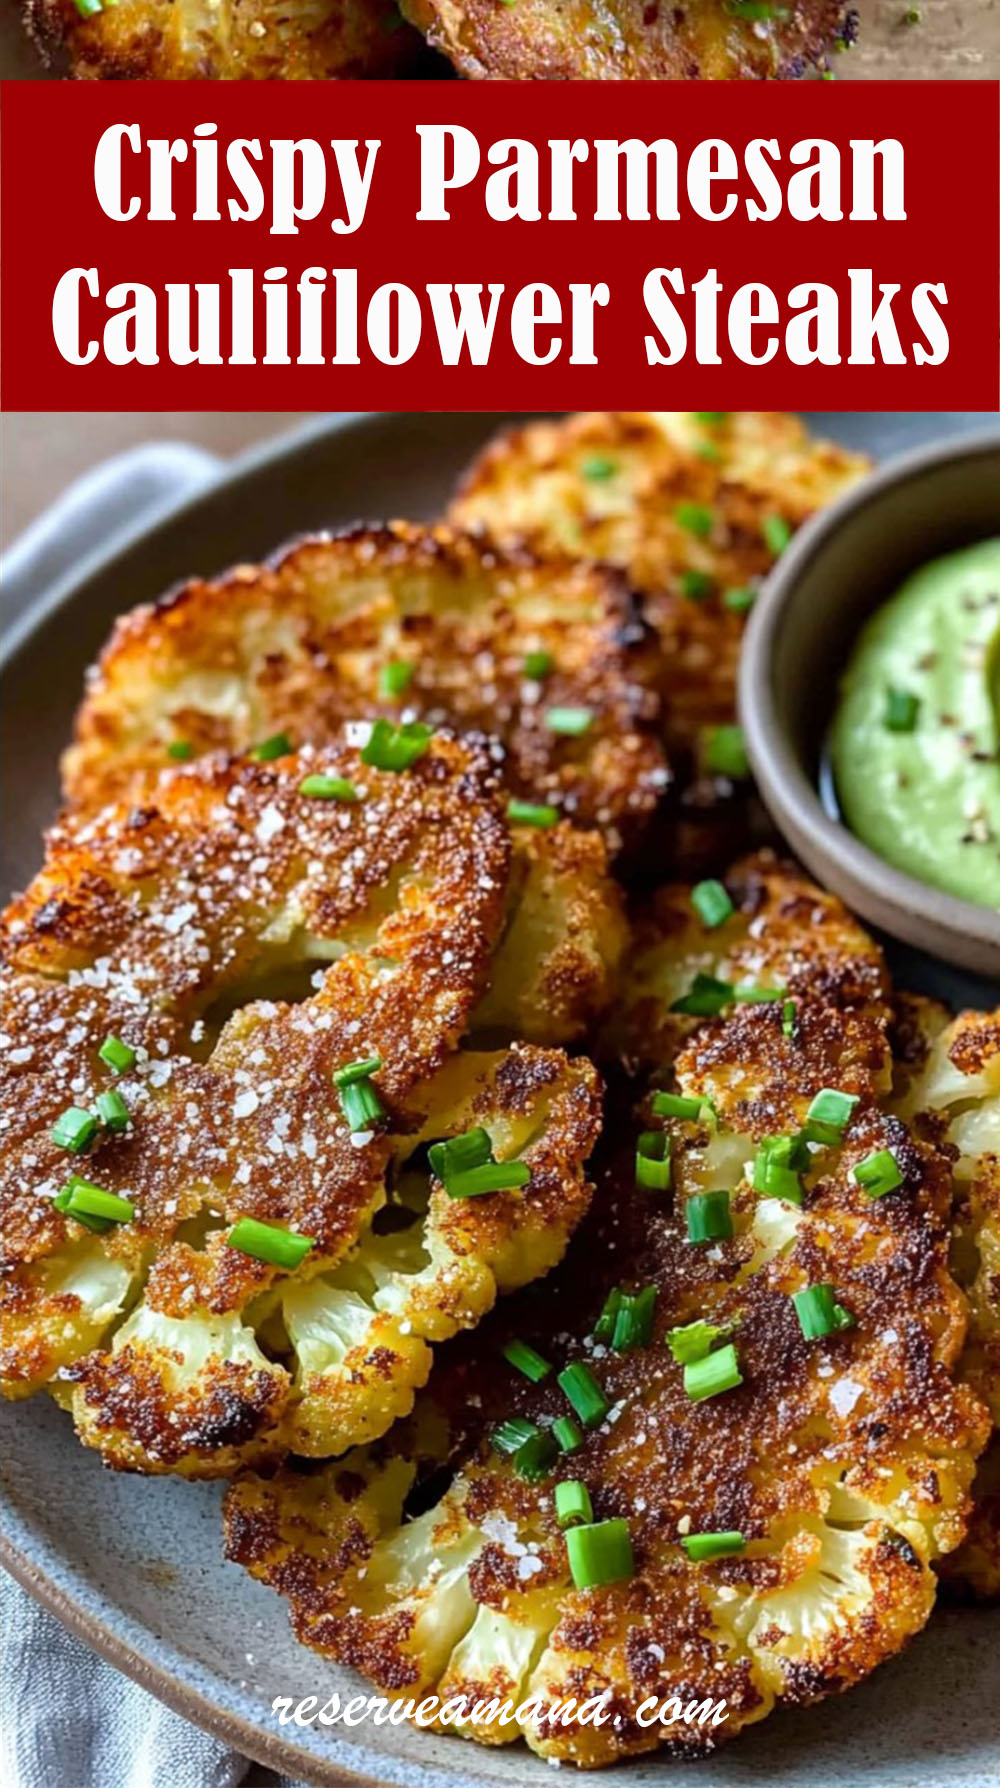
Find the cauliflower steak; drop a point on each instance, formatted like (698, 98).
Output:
(717, 1467)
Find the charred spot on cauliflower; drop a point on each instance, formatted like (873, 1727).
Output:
(425, 622)
(840, 1459)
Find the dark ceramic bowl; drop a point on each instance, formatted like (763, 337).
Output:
(839, 568)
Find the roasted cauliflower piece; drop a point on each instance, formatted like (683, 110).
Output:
(237, 40)
(421, 622)
(781, 1378)
(693, 508)
(951, 1080)
(171, 930)
(713, 40)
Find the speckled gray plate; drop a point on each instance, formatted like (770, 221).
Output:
(133, 1565)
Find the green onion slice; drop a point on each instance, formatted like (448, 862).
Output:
(739, 600)
(819, 1313)
(694, 518)
(573, 1503)
(536, 1457)
(748, 995)
(879, 1173)
(75, 1130)
(694, 1340)
(711, 417)
(789, 1018)
(278, 745)
(513, 1433)
(652, 1161)
(700, 1546)
(80, 1199)
(777, 1165)
(600, 1553)
(714, 1373)
(566, 1434)
(598, 466)
(675, 1105)
(112, 1111)
(901, 710)
(829, 1115)
(582, 1390)
(492, 1176)
(117, 1055)
(711, 903)
(458, 1153)
(328, 788)
(524, 1359)
(570, 722)
(538, 665)
(395, 677)
(696, 585)
(705, 998)
(180, 750)
(361, 1070)
(708, 1217)
(776, 532)
(264, 1241)
(397, 747)
(531, 813)
(634, 1321)
(360, 1104)
(724, 752)
(604, 1327)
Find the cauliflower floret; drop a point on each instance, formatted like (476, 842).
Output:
(553, 660)
(840, 1460)
(157, 924)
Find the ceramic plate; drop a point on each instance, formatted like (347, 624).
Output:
(133, 1565)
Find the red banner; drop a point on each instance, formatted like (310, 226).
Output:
(528, 245)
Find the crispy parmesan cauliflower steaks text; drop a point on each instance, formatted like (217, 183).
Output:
(720, 1458)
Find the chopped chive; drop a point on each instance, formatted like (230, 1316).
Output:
(566, 1434)
(458, 1153)
(739, 600)
(525, 1360)
(492, 1176)
(777, 1166)
(708, 450)
(694, 518)
(512, 1434)
(582, 1390)
(724, 752)
(712, 903)
(117, 1055)
(748, 995)
(112, 1111)
(360, 1104)
(397, 747)
(776, 532)
(600, 1553)
(538, 665)
(278, 745)
(694, 1340)
(713, 1374)
(180, 750)
(536, 1457)
(901, 710)
(819, 1313)
(529, 813)
(711, 417)
(604, 1327)
(700, 1546)
(360, 1070)
(75, 1130)
(573, 1503)
(395, 677)
(652, 1161)
(329, 788)
(264, 1241)
(705, 998)
(696, 585)
(598, 466)
(634, 1322)
(708, 1217)
(570, 722)
(97, 1225)
(88, 9)
(676, 1105)
(789, 1018)
(879, 1173)
(829, 1115)
(84, 1200)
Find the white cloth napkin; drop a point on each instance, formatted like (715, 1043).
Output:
(71, 1721)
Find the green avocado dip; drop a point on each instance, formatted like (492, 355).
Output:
(915, 744)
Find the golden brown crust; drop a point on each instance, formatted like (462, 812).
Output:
(299, 647)
(581, 40)
(240, 40)
(845, 1462)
